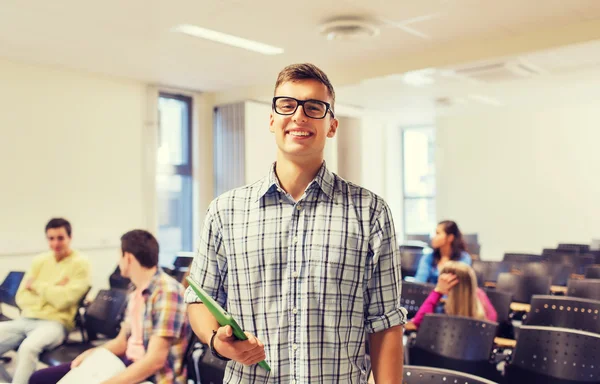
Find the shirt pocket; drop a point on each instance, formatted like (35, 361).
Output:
(336, 269)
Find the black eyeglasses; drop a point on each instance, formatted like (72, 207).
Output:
(315, 109)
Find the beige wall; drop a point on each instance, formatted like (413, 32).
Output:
(72, 146)
(524, 178)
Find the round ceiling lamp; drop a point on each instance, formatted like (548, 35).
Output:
(349, 29)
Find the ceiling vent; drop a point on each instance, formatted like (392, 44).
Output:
(496, 71)
(349, 29)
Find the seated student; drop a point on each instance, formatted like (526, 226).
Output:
(48, 297)
(464, 298)
(155, 332)
(448, 245)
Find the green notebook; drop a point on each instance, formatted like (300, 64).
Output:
(223, 318)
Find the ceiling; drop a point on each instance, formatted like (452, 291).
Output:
(566, 73)
(132, 39)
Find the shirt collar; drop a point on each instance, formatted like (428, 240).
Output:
(153, 282)
(325, 179)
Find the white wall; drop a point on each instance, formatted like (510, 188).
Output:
(260, 145)
(523, 178)
(369, 153)
(72, 145)
(349, 149)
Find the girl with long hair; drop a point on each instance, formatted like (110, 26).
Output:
(458, 282)
(448, 245)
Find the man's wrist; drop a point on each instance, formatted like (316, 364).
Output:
(211, 345)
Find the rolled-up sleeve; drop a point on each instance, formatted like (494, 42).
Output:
(384, 278)
(209, 267)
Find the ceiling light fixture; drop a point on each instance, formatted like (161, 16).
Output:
(224, 38)
(420, 77)
(348, 28)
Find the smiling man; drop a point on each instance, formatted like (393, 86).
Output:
(304, 260)
(48, 298)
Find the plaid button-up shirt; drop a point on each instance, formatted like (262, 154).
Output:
(308, 278)
(164, 315)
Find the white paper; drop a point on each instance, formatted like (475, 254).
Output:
(101, 365)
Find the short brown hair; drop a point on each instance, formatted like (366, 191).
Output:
(305, 71)
(59, 222)
(142, 245)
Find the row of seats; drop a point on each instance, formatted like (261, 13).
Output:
(542, 354)
(580, 292)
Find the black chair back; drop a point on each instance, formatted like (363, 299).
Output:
(413, 295)
(523, 257)
(409, 260)
(474, 249)
(501, 303)
(596, 254)
(470, 238)
(422, 237)
(560, 273)
(564, 312)
(79, 321)
(555, 356)
(428, 375)
(183, 260)
(576, 248)
(10, 286)
(457, 337)
(210, 369)
(523, 287)
(578, 261)
(587, 288)
(592, 272)
(490, 269)
(105, 313)
(414, 246)
(117, 281)
(454, 342)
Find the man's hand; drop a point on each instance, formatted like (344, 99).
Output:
(247, 352)
(29, 283)
(63, 281)
(79, 359)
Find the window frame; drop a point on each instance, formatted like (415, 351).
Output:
(405, 196)
(184, 170)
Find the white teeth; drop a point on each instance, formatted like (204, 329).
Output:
(298, 133)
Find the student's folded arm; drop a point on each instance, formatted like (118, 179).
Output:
(25, 296)
(154, 359)
(64, 296)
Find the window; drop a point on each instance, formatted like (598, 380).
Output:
(419, 180)
(174, 175)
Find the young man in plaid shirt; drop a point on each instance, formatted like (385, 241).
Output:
(305, 261)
